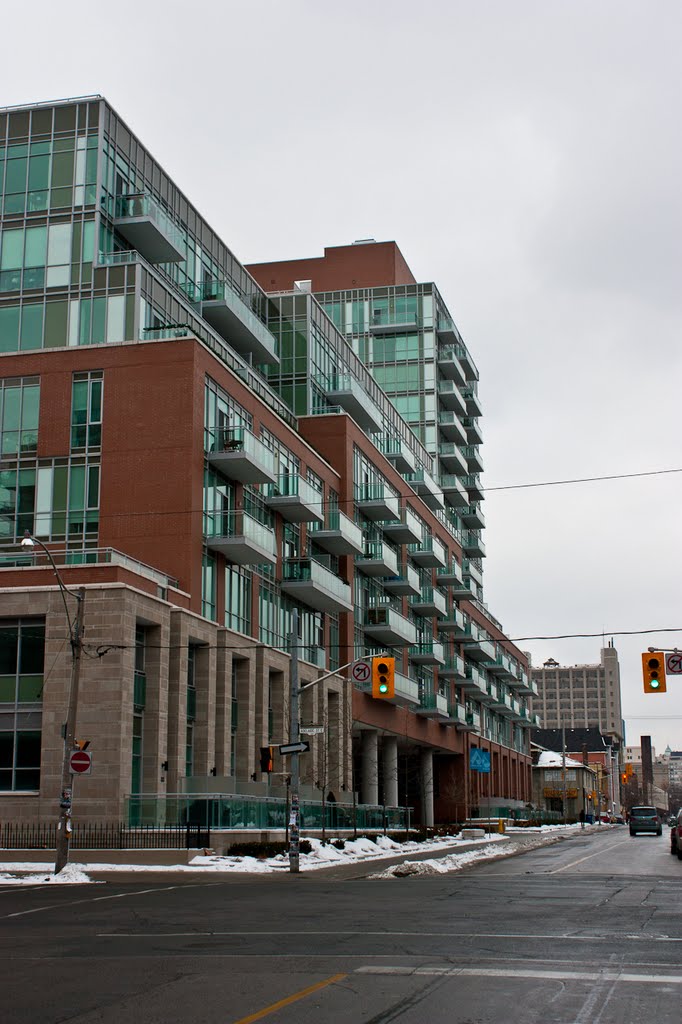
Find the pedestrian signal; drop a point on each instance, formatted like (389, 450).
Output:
(653, 671)
(383, 678)
(266, 758)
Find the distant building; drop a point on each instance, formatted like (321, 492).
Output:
(581, 696)
(593, 749)
(556, 778)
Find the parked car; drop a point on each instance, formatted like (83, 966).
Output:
(675, 832)
(645, 819)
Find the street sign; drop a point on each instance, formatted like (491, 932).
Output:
(312, 730)
(361, 671)
(80, 762)
(294, 748)
(673, 663)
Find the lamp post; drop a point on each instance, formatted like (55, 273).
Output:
(76, 641)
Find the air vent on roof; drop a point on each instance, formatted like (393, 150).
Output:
(364, 241)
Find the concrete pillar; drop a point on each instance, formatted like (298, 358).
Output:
(427, 786)
(389, 751)
(370, 769)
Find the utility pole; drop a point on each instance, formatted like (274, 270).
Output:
(65, 800)
(563, 767)
(294, 736)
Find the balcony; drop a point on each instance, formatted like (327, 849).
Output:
(490, 696)
(237, 323)
(296, 500)
(447, 329)
(378, 559)
(473, 456)
(346, 391)
(449, 365)
(388, 627)
(339, 535)
(472, 482)
(315, 585)
(376, 502)
(471, 723)
(451, 575)
(408, 530)
(472, 545)
(470, 568)
(470, 395)
(455, 626)
(452, 668)
(498, 666)
(477, 646)
(526, 687)
(463, 591)
(450, 397)
(472, 516)
(429, 554)
(452, 459)
(467, 362)
(454, 491)
(428, 653)
(384, 321)
(433, 705)
(503, 702)
(239, 455)
(451, 427)
(430, 602)
(395, 450)
(475, 681)
(148, 228)
(405, 584)
(241, 539)
(427, 489)
(473, 430)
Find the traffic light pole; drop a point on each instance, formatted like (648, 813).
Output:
(65, 799)
(294, 823)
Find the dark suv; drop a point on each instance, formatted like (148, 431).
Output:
(675, 832)
(645, 819)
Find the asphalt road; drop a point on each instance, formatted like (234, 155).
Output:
(585, 931)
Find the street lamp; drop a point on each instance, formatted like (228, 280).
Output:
(75, 639)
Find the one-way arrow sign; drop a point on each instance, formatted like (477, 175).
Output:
(294, 748)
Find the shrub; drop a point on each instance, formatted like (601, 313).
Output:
(339, 844)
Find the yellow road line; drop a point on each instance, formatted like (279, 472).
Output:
(290, 999)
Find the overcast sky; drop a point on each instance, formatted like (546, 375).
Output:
(525, 156)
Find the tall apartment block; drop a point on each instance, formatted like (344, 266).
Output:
(204, 457)
(581, 696)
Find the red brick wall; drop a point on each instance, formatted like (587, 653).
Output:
(343, 266)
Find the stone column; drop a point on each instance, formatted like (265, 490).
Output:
(427, 786)
(389, 751)
(370, 768)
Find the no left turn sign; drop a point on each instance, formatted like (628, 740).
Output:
(361, 671)
(673, 663)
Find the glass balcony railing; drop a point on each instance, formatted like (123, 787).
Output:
(164, 243)
(307, 570)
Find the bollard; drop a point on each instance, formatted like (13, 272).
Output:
(500, 825)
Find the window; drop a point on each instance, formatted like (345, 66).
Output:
(19, 408)
(22, 661)
(86, 410)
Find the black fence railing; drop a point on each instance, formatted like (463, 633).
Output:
(105, 836)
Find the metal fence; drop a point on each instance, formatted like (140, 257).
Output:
(105, 836)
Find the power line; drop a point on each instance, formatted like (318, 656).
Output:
(602, 632)
(581, 480)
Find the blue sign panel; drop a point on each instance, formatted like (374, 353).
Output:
(479, 760)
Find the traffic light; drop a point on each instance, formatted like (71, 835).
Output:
(383, 678)
(266, 758)
(653, 671)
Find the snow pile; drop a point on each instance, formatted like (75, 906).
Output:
(72, 874)
(443, 865)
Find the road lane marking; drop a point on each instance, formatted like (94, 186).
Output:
(598, 853)
(563, 936)
(94, 899)
(290, 999)
(484, 972)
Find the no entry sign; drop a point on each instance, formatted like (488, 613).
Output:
(80, 762)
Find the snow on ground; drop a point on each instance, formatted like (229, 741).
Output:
(321, 855)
